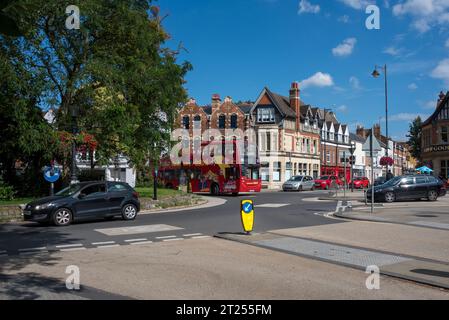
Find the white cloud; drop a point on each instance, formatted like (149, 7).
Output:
(425, 13)
(413, 86)
(306, 7)
(442, 71)
(319, 79)
(342, 108)
(393, 51)
(344, 19)
(430, 105)
(357, 4)
(355, 83)
(345, 48)
(405, 117)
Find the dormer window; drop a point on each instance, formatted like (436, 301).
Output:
(222, 122)
(197, 122)
(265, 115)
(186, 122)
(234, 121)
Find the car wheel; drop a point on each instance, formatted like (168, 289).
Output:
(390, 197)
(313, 188)
(300, 189)
(432, 195)
(327, 187)
(129, 212)
(62, 217)
(214, 189)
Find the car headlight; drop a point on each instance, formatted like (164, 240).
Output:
(44, 206)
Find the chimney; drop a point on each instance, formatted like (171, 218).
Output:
(216, 102)
(441, 97)
(361, 132)
(295, 103)
(228, 99)
(191, 101)
(377, 131)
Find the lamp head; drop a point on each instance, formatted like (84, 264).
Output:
(375, 74)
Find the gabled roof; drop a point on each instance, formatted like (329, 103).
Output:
(354, 137)
(282, 103)
(440, 106)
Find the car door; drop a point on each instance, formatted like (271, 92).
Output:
(310, 183)
(406, 189)
(92, 201)
(117, 193)
(422, 187)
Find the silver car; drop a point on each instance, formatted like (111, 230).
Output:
(299, 183)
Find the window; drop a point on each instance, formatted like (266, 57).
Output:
(265, 115)
(445, 168)
(277, 171)
(268, 141)
(265, 171)
(222, 121)
(95, 190)
(234, 121)
(444, 135)
(186, 122)
(197, 122)
(328, 157)
(117, 188)
(407, 181)
(421, 180)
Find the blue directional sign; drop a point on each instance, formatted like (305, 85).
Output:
(52, 174)
(247, 207)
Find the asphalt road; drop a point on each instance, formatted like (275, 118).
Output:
(276, 210)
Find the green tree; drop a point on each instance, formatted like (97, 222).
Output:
(414, 137)
(116, 69)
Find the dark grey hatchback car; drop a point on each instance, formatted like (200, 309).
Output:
(83, 201)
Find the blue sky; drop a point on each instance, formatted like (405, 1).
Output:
(239, 46)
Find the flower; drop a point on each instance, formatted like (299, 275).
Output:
(386, 161)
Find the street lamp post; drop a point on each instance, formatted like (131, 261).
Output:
(376, 74)
(74, 177)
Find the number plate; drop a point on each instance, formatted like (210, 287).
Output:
(27, 213)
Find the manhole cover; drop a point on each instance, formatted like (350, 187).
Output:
(426, 216)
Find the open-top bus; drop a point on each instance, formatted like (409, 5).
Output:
(215, 178)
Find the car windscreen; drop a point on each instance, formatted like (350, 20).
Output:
(393, 181)
(70, 190)
(324, 178)
(298, 178)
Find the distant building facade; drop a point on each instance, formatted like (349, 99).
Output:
(435, 138)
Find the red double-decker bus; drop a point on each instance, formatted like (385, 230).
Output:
(216, 178)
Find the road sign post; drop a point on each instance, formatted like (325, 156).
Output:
(372, 146)
(52, 174)
(247, 215)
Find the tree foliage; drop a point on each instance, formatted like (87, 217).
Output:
(414, 138)
(116, 70)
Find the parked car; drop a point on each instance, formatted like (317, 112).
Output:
(299, 183)
(409, 188)
(328, 182)
(360, 183)
(82, 201)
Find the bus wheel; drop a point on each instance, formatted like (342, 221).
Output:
(214, 190)
(235, 194)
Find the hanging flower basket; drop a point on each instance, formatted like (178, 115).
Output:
(386, 161)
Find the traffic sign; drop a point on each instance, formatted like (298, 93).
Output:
(52, 174)
(247, 215)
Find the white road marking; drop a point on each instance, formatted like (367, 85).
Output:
(73, 249)
(201, 237)
(271, 205)
(176, 239)
(101, 243)
(69, 246)
(136, 240)
(108, 246)
(138, 229)
(33, 249)
(192, 234)
(166, 237)
(139, 243)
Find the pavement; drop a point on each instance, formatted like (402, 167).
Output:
(415, 213)
(202, 269)
(305, 253)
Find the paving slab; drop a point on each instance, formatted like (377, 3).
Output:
(392, 264)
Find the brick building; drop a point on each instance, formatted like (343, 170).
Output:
(435, 138)
(288, 137)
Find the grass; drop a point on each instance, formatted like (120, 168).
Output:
(147, 192)
(15, 201)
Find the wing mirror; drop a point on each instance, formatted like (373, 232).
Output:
(81, 196)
